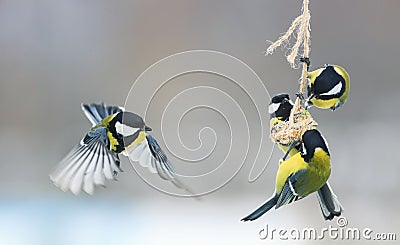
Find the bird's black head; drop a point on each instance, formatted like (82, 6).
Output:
(280, 106)
(129, 119)
(329, 84)
(311, 140)
(279, 98)
(132, 120)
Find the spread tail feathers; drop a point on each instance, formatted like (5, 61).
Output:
(329, 203)
(263, 209)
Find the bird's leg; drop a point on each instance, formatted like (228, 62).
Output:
(301, 97)
(291, 146)
(307, 61)
(308, 103)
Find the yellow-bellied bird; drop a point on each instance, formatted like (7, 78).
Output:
(279, 111)
(300, 175)
(95, 158)
(328, 87)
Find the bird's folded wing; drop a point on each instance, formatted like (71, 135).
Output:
(88, 165)
(290, 192)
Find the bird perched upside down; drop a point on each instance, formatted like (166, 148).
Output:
(95, 158)
(329, 87)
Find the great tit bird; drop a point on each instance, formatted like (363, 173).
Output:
(300, 175)
(95, 158)
(328, 87)
(279, 111)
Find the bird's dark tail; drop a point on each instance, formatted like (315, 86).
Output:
(263, 209)
(329, 203)
(97, 112)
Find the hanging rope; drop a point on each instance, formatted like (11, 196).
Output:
(303, 36)
(299, 120)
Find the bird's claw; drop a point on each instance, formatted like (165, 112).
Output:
(300, 95)
(302, 99)
(307, 61)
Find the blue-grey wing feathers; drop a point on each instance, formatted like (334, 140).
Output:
(97, 112)
(290, 191)
(150, 155)
(263, 209)
(91, 162)
(164, 168)
(88, 165)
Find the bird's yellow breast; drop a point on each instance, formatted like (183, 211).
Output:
(318, 171)
(287, 168)
(316, 175)
(141, 137)
(321, 164)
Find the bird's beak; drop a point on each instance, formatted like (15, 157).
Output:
(147, 128)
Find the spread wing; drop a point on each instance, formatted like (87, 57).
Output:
(149, 154)
(88, 165)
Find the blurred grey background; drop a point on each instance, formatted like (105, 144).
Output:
(54, 55)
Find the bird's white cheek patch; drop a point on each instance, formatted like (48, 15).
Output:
(334, 90)
(125, 130)
(273, 108)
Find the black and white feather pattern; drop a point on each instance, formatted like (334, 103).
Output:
(290, 190)
(88, 165)
(329, 203)
(91, 162)
(97, 112)
(149, 155)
